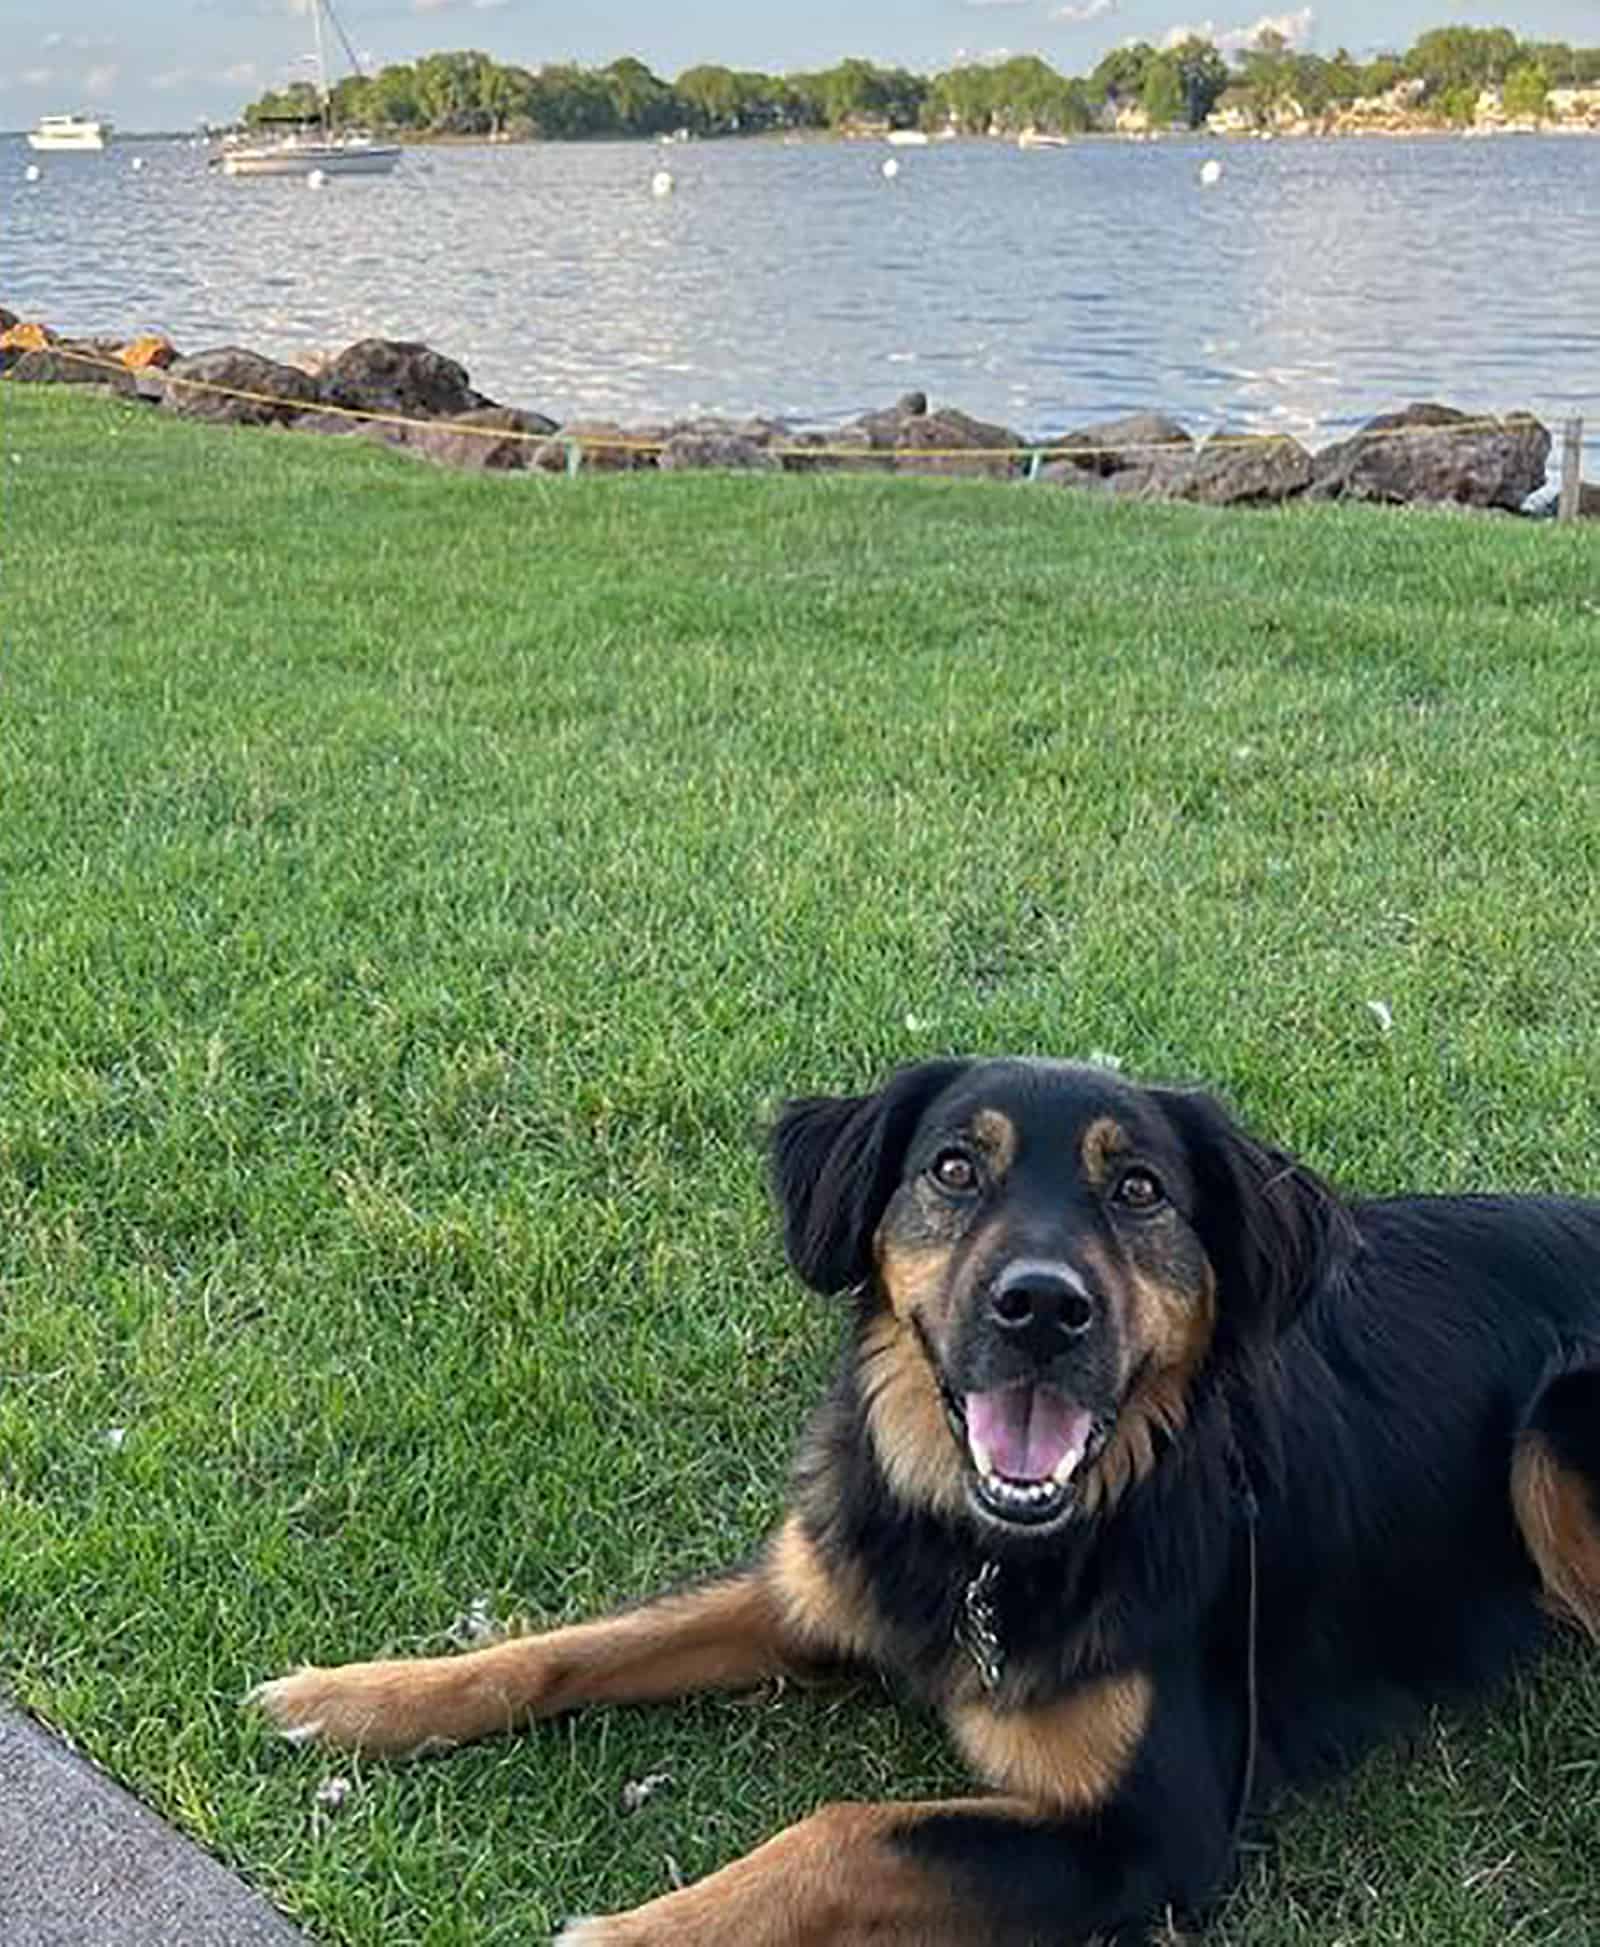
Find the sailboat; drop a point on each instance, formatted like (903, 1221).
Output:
(314, 149)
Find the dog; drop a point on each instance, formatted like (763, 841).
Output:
(1167, 1475)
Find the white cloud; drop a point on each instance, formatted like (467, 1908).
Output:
(52, 40)
(1086, 11)
(1296, 29)
(995, 3)
(37, 77)
(240, 75)
(164, 83)
(100, 79)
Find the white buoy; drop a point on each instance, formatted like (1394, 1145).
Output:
(137, 164)
(891, 169)
(661, 183)
(1211, 172)
(31, 173)
(316, 179)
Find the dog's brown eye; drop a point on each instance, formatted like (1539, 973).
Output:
(1139, 1190)
(954, 1170)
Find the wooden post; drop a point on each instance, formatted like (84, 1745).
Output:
(1571, 470)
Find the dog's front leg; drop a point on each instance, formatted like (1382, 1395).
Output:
(787, 1612)
(722, 1635)
(981, 1872)
(841, 1878)
(1111, 1804)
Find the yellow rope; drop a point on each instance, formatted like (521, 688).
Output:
(1065, 447)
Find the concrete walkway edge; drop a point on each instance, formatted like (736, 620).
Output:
(83, 1864)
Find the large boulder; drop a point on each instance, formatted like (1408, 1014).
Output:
(844, 449)
(231, 386)
(1233, 470)
(492, 439)
(66, 364)
(692, 448)
(605, 448)
(950, 441)
(1430, 452)
(18, 338)
(909, 438)
(149, 350)
(392, 375)
(1115, 445)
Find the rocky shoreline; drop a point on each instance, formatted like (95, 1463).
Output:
(411, 397)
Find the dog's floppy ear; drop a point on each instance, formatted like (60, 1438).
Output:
(835, 1164)
(1272, 1228)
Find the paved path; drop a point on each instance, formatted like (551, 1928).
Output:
(84, 1865)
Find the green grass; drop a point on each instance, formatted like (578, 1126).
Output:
(416, 888)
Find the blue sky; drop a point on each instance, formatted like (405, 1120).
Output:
(166, 63)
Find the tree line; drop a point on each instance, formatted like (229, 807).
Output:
(468, 94)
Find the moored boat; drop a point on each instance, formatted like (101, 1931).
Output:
(312, 148)
(60, 133)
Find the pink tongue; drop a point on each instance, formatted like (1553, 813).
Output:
(1024, 1432)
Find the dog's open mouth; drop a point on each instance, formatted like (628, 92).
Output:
(1026, 1446)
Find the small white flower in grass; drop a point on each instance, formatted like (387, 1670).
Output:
(918, 1023)
(332, 1793)
(115, 1437)
(638, 1792)
(1100, 1059)
(1379, 1010)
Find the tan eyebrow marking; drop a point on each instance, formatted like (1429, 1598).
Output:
(996, 1135)
(1103, 1141)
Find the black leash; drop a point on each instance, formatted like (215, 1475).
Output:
(1252, 1690)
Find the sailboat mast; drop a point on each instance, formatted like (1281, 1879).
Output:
(322, 64)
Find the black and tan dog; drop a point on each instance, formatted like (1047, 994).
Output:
(1164, 1474)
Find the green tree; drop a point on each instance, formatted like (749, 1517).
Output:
(1523, 96)
(1203, 74)
(1162, 94)
(711, 95)
(1120, 75)
(1462, 57)
(571, 104)
(394, 98)
(1558, 61)
(1455, 106)
(644, 103)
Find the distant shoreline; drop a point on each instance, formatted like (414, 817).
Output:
(833, 138)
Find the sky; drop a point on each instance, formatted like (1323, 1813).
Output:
(170, 63)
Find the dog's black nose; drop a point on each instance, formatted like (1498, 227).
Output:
(1044, 1300)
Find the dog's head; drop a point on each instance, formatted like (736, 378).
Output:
(1047, 1258)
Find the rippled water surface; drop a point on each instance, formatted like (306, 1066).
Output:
(1316, 283)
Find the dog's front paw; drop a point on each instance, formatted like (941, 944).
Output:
(384, 1708)
(613, 1930)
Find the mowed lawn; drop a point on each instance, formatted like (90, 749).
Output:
(416, 891)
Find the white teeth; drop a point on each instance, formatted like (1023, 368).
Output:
(1021, 1493)
(1067, 1465)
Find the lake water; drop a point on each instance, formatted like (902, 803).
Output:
(1316, 283)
